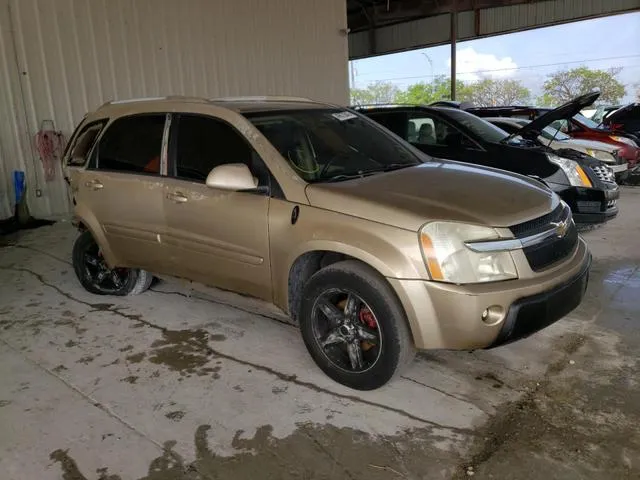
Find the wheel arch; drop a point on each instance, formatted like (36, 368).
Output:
(84, 219)
(305, 262)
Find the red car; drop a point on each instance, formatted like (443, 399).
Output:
(580, 126)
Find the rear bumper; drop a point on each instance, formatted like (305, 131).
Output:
(531, 314)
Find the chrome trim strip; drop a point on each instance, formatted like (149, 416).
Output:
(164, 150)
(559, 229)
(504, 245)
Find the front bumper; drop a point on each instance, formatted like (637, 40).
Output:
(619, 168)
(447, 316)
(590, 205)
(530, 314)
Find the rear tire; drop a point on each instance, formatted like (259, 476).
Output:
(348, 307)
(97, 278)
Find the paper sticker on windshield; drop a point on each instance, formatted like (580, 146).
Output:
(343, 116)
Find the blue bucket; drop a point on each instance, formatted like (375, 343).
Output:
(18, 185)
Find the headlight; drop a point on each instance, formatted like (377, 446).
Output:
(601, 155)
(448, 259)
(626, 140)
(574, 172)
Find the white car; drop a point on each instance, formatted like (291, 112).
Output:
(557, 140)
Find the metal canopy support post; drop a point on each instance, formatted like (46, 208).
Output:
(454, 35)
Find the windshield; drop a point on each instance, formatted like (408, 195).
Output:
(333, 144)
(478, 126)
(551, 133)
(587, 122)
(548, 132)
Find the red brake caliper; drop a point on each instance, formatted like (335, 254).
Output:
(367, 318)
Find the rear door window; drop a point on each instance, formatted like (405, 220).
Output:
(394, 121)
(429, 130)
(132, 144)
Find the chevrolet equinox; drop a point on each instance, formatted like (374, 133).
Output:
(373, 248)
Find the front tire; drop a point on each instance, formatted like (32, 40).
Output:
(96, 277)
(354, 326)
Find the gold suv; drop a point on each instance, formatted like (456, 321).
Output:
(373, 248)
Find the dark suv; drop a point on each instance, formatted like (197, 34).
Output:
(451, 133)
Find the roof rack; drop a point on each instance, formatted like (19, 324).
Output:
(385, 105)
(263, 98)
(152, 99)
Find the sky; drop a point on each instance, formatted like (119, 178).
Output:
(528, 56)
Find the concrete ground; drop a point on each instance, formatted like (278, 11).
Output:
(179, 384)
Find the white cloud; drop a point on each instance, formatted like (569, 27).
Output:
(472, 66)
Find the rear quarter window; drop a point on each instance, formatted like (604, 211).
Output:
(82, 143)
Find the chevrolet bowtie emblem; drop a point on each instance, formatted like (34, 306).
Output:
(561, 228)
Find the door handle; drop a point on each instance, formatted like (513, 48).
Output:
(177, 197)
(94, 184)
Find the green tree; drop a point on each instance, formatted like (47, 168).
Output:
(425, 93)
(375, 93)
(496, 92)
(565, 85)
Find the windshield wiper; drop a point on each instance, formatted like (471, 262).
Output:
(339, 178)
(390, 167)
(507, 139)
(366, 173)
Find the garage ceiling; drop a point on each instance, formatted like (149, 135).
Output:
(385, 26)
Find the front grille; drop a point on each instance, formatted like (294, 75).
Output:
(603, 173)
(553, 249)
(537, 225)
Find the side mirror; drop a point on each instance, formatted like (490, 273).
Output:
(232, 176)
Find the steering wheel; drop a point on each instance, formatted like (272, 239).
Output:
(330, 162)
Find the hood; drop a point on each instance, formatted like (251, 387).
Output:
(410, 197)
(588, 144)
(621, 113)
(568, 110)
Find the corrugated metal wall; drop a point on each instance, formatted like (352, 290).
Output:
(62, 58)
(491, 21)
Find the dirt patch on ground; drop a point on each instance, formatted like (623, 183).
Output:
(175, 416)
(312, 452)
(181, 350)
(136, 357)
(581, 421)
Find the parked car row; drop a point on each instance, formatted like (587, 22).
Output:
(372, 247)
(623, 138)
(575, 172)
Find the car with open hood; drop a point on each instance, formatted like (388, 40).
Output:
(455, 134)
(370, 246)
(625, 119)
(576, 125)
(610, 166)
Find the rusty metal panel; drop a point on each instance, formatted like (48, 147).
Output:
(71, 56)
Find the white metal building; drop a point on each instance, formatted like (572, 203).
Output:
(62, 58)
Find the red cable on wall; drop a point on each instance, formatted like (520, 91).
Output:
(50, 147)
